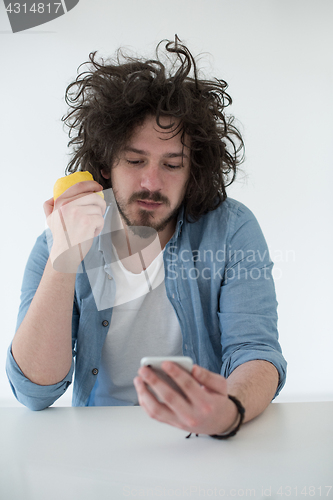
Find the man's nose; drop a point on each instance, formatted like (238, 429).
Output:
(151, 178)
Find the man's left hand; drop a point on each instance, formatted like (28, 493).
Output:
(206, 409)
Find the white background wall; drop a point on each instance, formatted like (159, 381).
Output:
(276, 56)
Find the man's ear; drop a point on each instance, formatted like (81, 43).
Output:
(106, 173)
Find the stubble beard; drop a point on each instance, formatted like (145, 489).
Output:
(145, 224)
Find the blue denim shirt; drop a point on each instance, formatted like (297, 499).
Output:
(218, 279)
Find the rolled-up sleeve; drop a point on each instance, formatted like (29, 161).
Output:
(34, 396)
(31, 395)
(248, 306)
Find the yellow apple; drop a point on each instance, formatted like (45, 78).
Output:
(69, 180)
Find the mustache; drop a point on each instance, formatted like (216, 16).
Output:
(151, 196)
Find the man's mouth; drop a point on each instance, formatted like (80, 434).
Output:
(149, 204)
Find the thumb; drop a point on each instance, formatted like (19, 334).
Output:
(48, 207)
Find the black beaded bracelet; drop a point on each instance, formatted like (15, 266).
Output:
(241, 413)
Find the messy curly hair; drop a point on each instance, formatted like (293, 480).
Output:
(111, 98)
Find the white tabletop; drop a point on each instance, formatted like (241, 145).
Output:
(119, 452)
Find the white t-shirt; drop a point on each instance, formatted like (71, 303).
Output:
(143, 323)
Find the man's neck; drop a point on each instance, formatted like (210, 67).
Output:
(135, 252)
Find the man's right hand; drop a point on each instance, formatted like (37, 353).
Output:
(74, 219)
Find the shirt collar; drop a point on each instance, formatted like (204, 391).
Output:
(180, 221)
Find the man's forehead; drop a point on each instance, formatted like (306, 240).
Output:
(169, 133)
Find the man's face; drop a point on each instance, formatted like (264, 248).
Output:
(150, 179)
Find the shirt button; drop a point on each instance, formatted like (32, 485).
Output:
(105, 323)
(94, 371)
(110, 277)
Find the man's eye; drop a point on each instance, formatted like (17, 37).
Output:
(173, 167)
(134, 162)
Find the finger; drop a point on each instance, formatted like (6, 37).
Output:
(210, 380)
(183, 379)
(85, 216)
(167, 394)
(86, 198)
(76, 211)
(150, 404)
(154, 408)
(81, 187)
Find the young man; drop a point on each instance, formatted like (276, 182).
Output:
(165, 265)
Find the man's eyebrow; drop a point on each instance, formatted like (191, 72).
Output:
(176, 155)
(130, 149)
